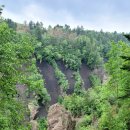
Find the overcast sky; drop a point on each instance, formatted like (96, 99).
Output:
(109, 15)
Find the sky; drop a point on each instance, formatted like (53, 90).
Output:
(108, 15)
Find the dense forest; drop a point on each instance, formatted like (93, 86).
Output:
(104, 105)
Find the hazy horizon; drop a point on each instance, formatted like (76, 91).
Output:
(108, 15)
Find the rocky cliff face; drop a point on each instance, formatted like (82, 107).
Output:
(59, 119)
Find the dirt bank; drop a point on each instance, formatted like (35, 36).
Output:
(51, 85)
(84, 72)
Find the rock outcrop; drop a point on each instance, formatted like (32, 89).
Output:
(34, 125)
(101, 73)
(33, 110)
(59, 119)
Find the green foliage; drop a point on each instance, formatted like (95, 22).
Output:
(42, 124)
(119, 79)
(84, 122)
(95, 108)
(11, 111)
(62, 81)
(79, 84)
(12, 115)
(37, 30)
(72, 47)
(60, 99)
(115, 118)
(94, 100)
(35, 83)
(94, 80)
(75, 104)
(11, 24)
(16, 67)
(1, 9)
(90, 52)
(106, 107)
(102, 107)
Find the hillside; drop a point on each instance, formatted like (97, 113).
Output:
(85, 71)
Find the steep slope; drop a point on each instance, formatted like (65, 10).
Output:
(84, 72)
(50, 83)
(69, 75)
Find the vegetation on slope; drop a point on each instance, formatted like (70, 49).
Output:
(17, 67)
(72, 46)
(102, 107)
(106, 107)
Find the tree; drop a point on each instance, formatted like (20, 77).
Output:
(31, 25)
(1, 9)
(17, 67)
(11, 24)
(79, 84)
(11, 111)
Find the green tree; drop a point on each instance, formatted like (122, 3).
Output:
(11, 111)
(16, 63)
(79, 84)
(11, 24)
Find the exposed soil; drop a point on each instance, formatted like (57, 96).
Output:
(51, 85)
(50, 80)
(21, 90)
(84, 72)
